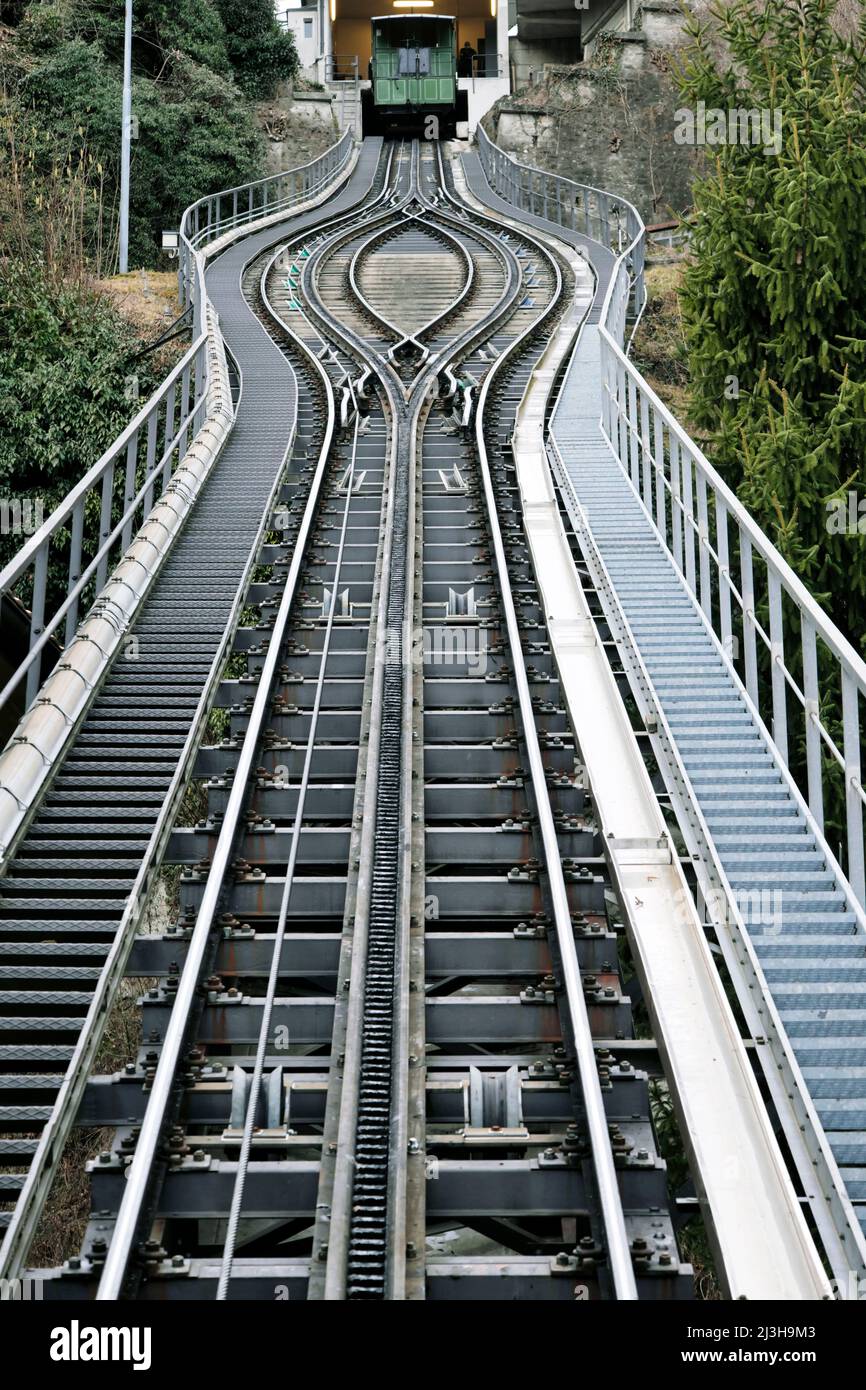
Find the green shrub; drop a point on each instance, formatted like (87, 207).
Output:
(66, 367)
(65, 359)
(261, 52)
(774, 297)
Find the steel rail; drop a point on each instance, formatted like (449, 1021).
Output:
(455, 227)
(343, 1213)
(37, 1182)
(336, 1273)
(476, 332)
(345, 1276)
(279, 935)
(453, 347)
(388, 230)
(139, 1174)
(427, 327)
(337, 1283)
(140, 1170)
(618, 1251)
(776, 1252)
(465, 294)
(611, 1206)
(447, 228)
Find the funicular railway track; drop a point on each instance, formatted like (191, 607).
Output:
(383, 1057)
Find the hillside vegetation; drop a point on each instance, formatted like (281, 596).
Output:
(70, 354)
(196, 65)
(774, 292)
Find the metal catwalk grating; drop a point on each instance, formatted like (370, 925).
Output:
(73, 872)
(812, 953)
(811, 949)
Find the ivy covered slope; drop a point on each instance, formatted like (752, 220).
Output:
(774, 293)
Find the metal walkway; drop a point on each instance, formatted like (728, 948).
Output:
(809, 962)
(811, 950)
(66, 891)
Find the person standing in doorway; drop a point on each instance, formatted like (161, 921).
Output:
(464, 60)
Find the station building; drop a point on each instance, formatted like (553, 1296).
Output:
(511, 40)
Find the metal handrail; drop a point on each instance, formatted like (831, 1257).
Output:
(152, 446)
(96, 521)
(582, 208)
(38, 1180)
(484, 65)
(336, 63)
(715, 548)
(705, 528)
(207, 219)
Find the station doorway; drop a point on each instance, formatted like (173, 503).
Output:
(482, 34)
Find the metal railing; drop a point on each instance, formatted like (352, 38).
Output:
(592, 212)
(803, 678)
(88, 532)
(340, 67)
(212, 216)
(796, 665)
(483, 66)
(95, 522)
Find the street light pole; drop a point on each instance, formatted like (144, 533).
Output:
(125, 140)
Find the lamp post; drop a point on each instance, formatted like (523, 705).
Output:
(125, 140)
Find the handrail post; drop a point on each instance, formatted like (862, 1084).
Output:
(853, 802)
(37, 616)
(812, 713)
(777, 662)
(129, 487)
(105, 524)
(74, 567)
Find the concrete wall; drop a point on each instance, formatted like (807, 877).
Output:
(299, 126)
(483, 93)
(662, 22)
(609, 121)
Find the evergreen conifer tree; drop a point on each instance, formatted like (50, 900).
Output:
(774, 298)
